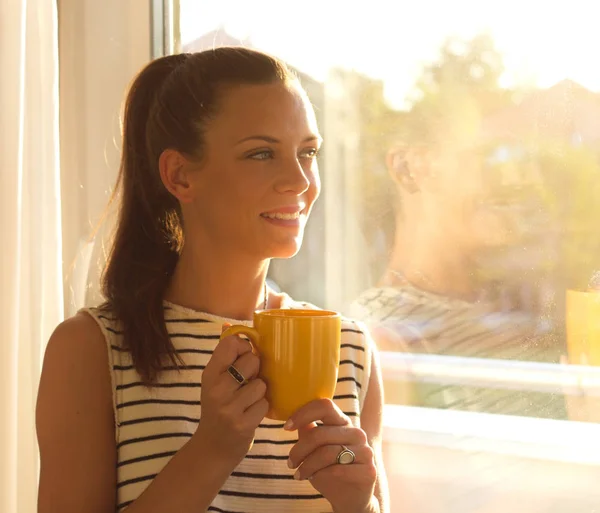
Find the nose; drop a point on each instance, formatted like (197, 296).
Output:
(293, 178)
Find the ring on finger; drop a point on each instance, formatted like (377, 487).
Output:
(237, 375)
(345, 456)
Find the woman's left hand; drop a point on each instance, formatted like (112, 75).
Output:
(349, 488)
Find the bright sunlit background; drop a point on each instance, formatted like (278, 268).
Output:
(541, 42)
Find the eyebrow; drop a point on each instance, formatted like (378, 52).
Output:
(273, 140)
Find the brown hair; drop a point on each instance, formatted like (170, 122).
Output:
(168, 107)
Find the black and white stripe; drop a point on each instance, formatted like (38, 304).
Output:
(154, 423)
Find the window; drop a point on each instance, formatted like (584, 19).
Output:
(461, 177)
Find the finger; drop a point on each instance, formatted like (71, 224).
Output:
(249, 394)
(323, 436)
(228, 350)
(247, 365)
(326, 456)
(303, 431)
(257, 412)
(358, 476)
(324, 410)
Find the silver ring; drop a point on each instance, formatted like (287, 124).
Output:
(346, 456)
(237, 375)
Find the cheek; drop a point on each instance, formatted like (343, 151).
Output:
(224, 189)
(218, 209)
(453, 200)
(315, 186)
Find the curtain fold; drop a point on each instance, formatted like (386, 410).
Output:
(31, 283)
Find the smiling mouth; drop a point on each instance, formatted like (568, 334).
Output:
(283, 216)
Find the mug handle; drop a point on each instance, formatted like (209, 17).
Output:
(239, 329)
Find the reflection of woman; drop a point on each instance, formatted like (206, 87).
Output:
(218, 176)
(430, 298)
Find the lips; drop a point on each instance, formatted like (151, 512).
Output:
(282, 215)
(285, 213)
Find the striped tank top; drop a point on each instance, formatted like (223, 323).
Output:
(406, 319)
(153, 424)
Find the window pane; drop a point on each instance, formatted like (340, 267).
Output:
(460, 174)
(461, 178)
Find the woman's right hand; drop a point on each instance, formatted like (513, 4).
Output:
(231, 412)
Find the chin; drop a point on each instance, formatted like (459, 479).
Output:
(284, 250)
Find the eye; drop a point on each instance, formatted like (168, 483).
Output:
(261, 155)
(310, 153)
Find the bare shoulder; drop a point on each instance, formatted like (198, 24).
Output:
(76, 358)
(74, 420)
(80, 331)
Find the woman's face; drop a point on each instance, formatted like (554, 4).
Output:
(447, 185)
(258, 179)
(472, 213)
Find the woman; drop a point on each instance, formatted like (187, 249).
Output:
(431, 298)
(218, 176)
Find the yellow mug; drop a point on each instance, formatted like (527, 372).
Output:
(583, 326)
(299, 352)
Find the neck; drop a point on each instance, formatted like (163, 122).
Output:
(424, 256)
(221, 284)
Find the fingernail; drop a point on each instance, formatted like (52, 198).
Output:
(297, 475)
(290, 464)
(289, 425)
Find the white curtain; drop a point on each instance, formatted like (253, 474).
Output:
(31, 289)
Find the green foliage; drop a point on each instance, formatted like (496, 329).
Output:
(457, 91)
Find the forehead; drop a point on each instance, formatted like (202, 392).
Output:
(276, 109)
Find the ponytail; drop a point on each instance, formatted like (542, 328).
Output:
(168, 107)
(149, 234)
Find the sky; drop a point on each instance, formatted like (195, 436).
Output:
(542, 42)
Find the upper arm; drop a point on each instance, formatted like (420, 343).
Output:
(75, 422)
(371, 421)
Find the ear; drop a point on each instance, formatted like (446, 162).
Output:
(398, 161)
(175, 172)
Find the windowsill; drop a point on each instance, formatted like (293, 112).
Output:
(523, 437)
(491, 373)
